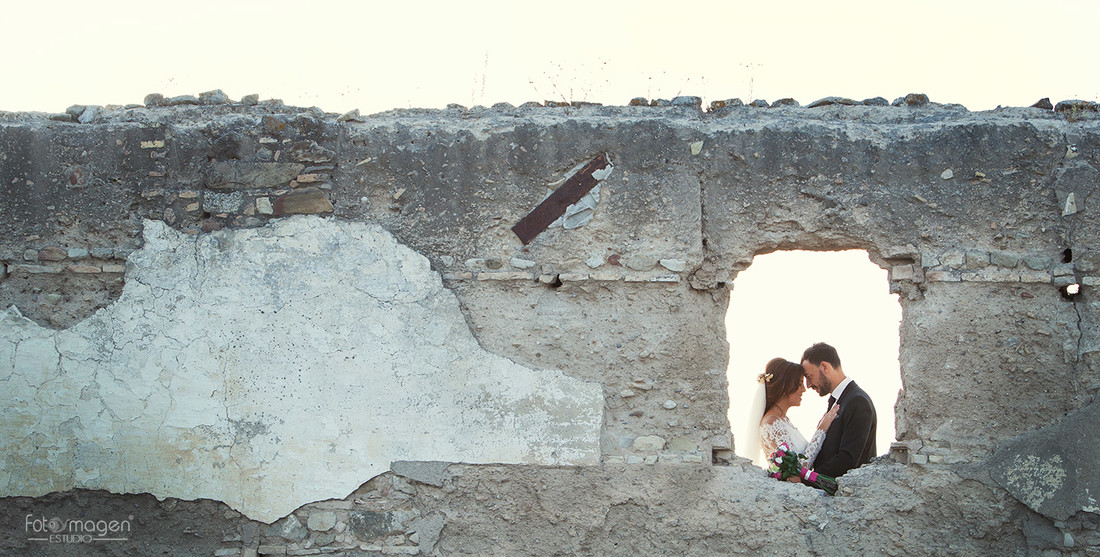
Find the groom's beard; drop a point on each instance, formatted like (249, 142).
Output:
(825, 388)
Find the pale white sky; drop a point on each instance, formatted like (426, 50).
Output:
(778, 309)
(380, 55)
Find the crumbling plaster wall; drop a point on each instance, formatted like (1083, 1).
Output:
(269, 368)
(970, 212)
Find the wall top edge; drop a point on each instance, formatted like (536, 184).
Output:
(1082, 113)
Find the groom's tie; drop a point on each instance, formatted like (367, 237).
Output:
(832, 401)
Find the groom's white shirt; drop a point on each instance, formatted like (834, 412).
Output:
(839, 390)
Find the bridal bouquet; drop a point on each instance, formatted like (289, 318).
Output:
(783, 464)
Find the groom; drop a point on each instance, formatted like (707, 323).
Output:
(850, 440)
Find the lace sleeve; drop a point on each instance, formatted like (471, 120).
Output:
(772, 435)
(813, 447)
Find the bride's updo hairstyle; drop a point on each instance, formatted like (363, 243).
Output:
(780, 379)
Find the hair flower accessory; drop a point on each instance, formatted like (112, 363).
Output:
(764, 377)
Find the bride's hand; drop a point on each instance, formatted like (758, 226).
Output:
(827, 419)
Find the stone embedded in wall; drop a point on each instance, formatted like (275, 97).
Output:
(217, 96)
(431, 473)
(214, 202)
(991, 275)
(289, 528)
(682, 444)
(1055, 470)
(520, 263)
(994, 266)
(372, 524)
(1001, 259)
(953, 259)
(264, 206)
(241, 175)
(1069, 206)
(831, 101)
(52, 253)
(1042, 277)
(305, 201)
(310, 151)
(505, 275)
(1074, 182)
(1088, 263)
(674, 265)
(34, 269)
(268, 368)
(181, 100)
(649, 443)
(640, 261)
(903, 272)
(977, 260)
(322, 521)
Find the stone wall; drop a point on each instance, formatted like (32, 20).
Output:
(263, 306)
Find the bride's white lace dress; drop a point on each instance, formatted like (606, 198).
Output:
(783, 431)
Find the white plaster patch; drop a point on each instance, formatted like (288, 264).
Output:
(579, 213)
(603, 173)
(268, 368)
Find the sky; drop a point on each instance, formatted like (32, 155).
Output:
(776, 310)
(375, 56)
(340, 55)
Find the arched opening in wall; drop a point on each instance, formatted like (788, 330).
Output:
(789, 300)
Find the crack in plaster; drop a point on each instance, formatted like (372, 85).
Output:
(1069, 236)
(190, 386)
(1078, 359)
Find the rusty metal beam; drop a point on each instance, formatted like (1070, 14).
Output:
(553, 207)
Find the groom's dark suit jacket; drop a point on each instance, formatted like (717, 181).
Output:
(850, 440)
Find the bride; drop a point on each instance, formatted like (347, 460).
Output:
(782, 388)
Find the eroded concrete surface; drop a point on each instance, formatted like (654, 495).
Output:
(984, 221)
(1054, 470)
(272, 367)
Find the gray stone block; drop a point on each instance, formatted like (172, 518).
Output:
(289, 528)
(425, 472)
(1002, 259)
(1056, 470)
(238, 175)
(369, 525)
(977, 260)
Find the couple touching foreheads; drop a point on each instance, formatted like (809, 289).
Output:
(845, 436)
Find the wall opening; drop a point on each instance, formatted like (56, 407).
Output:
(787, 301)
